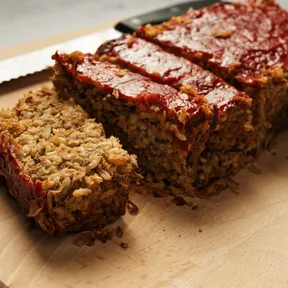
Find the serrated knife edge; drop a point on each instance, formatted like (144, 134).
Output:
(39, 60)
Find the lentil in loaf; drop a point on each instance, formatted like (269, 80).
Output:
(227, 39)
(59, 165)
(167, 129)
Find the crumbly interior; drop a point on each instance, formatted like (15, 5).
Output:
(229, 146)
(148, 134)
(168, 165)
(55, 142)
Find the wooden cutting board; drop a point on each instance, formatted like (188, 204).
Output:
(232, 240)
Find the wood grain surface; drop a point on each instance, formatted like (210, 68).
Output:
(232, 240)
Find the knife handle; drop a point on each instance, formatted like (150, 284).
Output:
(131, 24)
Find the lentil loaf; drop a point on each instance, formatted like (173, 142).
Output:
(244, 43)
(59, 165)
(231, 138)
(167, 129)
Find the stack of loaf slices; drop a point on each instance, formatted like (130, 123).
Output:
(192, 100)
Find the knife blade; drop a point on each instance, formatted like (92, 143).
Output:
(36, 61)
(39, 60)
(131, 24)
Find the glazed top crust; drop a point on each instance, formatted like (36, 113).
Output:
(243, 40)
(166, 68)
(134, 88)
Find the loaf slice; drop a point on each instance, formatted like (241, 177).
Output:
(59, 165)
(244, 43)
(231, 142)
(166, 128)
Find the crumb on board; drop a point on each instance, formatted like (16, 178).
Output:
(124, 245)
(132, 208)
(200, 230)
(104, 234)
(87, 238)
(179, 201)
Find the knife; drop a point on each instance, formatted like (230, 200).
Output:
(36, 61)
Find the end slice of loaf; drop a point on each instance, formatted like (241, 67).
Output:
(59, 165)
